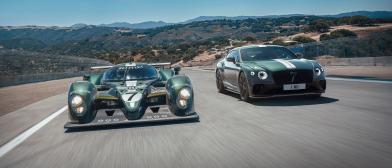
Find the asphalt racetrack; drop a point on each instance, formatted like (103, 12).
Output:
(350, 126)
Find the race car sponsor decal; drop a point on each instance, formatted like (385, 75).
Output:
(126, 97)
(130, 64)
(286, 63)
(131, 84)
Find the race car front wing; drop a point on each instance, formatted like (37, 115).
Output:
(105, 117)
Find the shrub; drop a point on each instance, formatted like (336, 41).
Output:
(303, 39)
(219, 56)
(278, 42)
(337, 34)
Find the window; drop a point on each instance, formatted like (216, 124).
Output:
(138, 72)
(265, 53)
(234, 54)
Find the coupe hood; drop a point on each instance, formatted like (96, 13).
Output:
(280, 64)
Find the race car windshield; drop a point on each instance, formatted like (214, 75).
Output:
(266, 53)
(130, 73)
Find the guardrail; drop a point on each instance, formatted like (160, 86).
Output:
(31, 78)
(357, 61)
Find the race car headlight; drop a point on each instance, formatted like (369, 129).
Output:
(80, 109)
(182, 103)
(76, 101)
(262, 75)
(317, 71)
(184, 94)
(183, 97)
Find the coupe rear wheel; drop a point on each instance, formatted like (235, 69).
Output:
(243, 86)
(219, 83)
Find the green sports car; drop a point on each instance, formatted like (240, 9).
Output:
(260, 71)
(131, 93)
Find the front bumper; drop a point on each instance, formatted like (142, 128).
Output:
(261, 90)
(106, 117)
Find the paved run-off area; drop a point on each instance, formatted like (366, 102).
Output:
(349, 127)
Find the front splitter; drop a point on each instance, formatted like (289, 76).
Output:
(194, 117)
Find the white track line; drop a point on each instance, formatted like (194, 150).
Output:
(328, 78)
(359, 80)
(22, 137)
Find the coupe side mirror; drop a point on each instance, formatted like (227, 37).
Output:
(177, 70)
(299, 55)
(230, 59)
(86, 77)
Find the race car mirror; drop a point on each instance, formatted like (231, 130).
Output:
(86, 77)
(177, 69)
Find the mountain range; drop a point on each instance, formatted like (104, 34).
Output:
(155, 24)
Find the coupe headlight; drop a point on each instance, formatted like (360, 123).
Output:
(262, 75)
(76, 101)
(317, 71)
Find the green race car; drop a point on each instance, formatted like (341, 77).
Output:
(131, 93)
(261, 71)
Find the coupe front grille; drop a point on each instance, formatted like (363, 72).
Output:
(293, 76)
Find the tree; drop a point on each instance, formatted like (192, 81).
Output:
(249, 39)
(361, 21)
(319, 26)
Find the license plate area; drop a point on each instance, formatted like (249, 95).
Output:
(299, 86)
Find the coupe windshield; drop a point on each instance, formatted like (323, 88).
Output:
(137, 72)
(265, 53)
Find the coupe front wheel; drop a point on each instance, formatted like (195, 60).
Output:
(243, 87)
(219, 83)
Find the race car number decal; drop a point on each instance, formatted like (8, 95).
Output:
(157, 116)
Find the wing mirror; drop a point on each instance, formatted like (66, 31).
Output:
(230, 59)
(86, 77)
(299, 55)
(177, 70)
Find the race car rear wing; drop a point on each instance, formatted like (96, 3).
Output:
(156, 65)
(161, 65)
(101, 67)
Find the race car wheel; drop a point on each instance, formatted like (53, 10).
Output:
(219, 83)
(243, 86)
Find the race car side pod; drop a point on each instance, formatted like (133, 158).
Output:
(174, 86)
(80, 102)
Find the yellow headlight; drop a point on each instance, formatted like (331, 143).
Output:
(185, 94)
(80, 109)
(182, 103)
(76, 101)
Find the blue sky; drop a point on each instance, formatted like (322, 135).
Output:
(68, 12)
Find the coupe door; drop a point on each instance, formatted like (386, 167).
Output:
(232, 70)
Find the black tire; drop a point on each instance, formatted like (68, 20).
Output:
(243, 86)
(219, 82)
